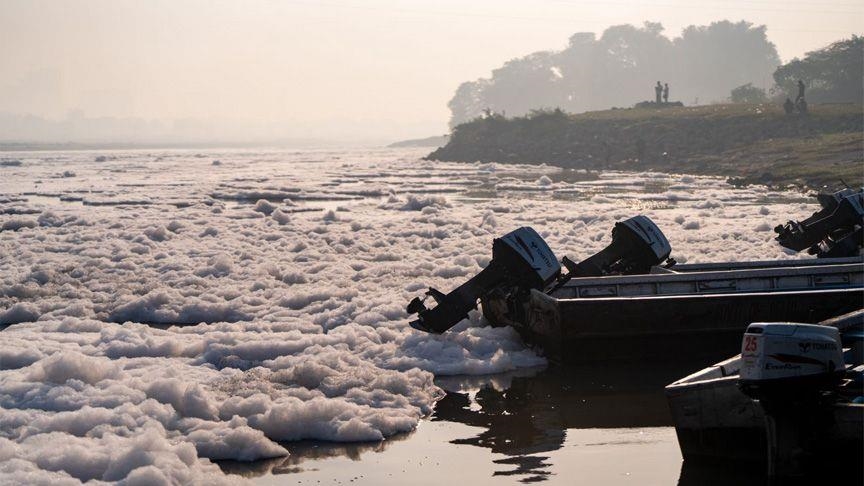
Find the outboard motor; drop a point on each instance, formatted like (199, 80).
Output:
(792, 369)
(789, 359)
(637, 245)
(523, 260)
(835, 231)
(520, 257)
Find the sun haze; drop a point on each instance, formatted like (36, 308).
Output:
(341, 70)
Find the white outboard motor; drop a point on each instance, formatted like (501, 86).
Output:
(788, 358)
(792, 369)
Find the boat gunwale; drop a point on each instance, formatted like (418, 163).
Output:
(695, 378)
(762, 264)
(682, 384)
(706, 295)
(577, 283)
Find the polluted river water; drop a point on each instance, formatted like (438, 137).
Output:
(215, 315)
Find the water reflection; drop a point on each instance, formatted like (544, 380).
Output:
(307, 451)
(526, 414)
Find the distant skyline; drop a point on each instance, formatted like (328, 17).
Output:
(344, 70)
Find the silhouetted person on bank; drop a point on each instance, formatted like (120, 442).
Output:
(788, 106)
(658, 92)
(801, 106)
(800, 91)
(666, 93)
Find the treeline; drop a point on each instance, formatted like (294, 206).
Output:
(834, 74)
(620, 68)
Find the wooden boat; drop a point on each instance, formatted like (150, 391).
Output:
(695, 310)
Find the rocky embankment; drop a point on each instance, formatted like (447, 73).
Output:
(746, 143)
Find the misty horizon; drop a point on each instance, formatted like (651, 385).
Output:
(299, 73)
(78, 129)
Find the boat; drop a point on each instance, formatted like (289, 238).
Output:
(631, 301)
(717, 422)
(700, 309)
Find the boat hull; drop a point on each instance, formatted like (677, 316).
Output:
(717, 423)
(715, 420)
(662, 327)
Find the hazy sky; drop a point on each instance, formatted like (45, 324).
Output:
(340, 69)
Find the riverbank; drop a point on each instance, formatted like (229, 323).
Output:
(745, 143)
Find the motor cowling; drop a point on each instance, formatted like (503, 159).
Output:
(784, 359)
(637, 245)
(837, 230)
(525, 257)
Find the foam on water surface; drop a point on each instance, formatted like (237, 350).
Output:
(289, 273)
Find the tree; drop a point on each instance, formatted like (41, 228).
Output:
(467, 103)
(747, 93)
(833, 74)
(628, 63)
(620, 68)
(714, 59)
(524, 84)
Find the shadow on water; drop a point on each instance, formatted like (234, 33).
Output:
(529, 413)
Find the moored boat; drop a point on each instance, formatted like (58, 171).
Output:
(698, 309)
(716, 421)
(632, 301)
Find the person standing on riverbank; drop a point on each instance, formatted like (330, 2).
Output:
(800, 91)
(666, 93)
(658, 92)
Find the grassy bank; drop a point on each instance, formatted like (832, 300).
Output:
(747, 143)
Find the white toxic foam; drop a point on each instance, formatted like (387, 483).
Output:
(288, 319)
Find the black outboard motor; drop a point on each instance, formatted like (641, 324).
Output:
(835, 231)
(637, 245)
(520, 257)
(523, 260)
